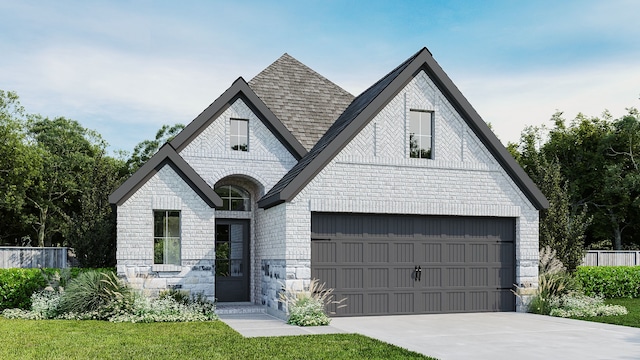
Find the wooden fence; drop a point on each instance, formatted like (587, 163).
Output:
(33, 257)
(611, 258)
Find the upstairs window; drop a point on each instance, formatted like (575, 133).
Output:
(234, 198)
(240, 134)
(420, 134)
(166, 237)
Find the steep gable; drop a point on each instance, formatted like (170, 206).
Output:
(239, 90)
(365, 107)
(166, 156)
(305, 101)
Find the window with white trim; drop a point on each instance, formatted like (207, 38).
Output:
(420, 134)
(239, 134)
(166, 237)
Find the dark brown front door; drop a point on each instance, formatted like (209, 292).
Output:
(232, 260)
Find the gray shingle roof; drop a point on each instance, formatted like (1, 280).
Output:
(368, 104)
(305, 101)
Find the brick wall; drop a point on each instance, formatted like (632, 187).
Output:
(374, 174)
(166, 191)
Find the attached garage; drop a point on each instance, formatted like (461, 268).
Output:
(411, 264)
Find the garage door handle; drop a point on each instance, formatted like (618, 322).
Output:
(418, 275)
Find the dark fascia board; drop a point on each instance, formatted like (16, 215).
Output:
(481, 129)
(165, 156)
(239, 89)
(423, 61)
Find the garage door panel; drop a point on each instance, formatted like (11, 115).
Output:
(403, 303)
(454, 253)
(403, 277)
(323, 252)
(379, 278)
(378, 303)
(480, 253)
(351, 252)
(431, 277)
(431, 253)
(403, 252)
(351, 278)
(431, 302)
(467, 264)
(326, 276)
(478, 277)
(378, 252)
(455, 277)
(455, 301)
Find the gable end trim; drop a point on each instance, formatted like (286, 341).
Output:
(239, 90)
(165, 156)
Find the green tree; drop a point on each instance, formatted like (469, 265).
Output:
(563, 224)
(67, 151)
(618, 201)
(147, 148)
(19, 164)
(93, 226)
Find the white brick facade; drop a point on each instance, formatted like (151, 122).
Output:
(374, 174)
(371, 174)
(166, 190)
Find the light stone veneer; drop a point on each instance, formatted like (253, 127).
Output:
(374, 174)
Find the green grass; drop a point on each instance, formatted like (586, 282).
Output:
(631, 319)
(64, 339)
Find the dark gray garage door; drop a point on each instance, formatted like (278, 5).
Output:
(406, 264)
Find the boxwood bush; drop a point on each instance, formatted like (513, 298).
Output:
(609, 281)
(17, 285)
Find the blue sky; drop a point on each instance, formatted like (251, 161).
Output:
(126, 68)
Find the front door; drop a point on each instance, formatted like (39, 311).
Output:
(232, 260)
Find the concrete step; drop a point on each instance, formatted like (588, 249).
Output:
(240, 308)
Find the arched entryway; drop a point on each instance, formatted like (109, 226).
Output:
(233, 238)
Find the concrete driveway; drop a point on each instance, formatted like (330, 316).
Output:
(498, 336)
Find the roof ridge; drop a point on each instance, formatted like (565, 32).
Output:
(306, 102)
(301, 64)
(364, 108)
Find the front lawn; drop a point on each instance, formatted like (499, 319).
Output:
(69, 339)
(631, 319)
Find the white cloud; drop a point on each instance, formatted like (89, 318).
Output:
(512, 101)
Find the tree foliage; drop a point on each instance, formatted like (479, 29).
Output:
(595, 160)
(56, 179)
(145, 149)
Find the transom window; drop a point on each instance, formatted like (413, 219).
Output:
(166, 237)
(240, 134)
(234, 198)
(420, 134)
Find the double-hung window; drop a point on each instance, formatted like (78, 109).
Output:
(166, 237)
(420, 134)
(239, 134)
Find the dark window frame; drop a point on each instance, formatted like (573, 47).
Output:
(167, 247)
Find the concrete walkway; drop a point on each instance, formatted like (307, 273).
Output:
(492, 336)
(261, 324)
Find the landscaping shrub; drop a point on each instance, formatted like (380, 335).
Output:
(578, 305)
(609, 281)
(99, 293)
(95, 295)
(17, 286)
(307, 307)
